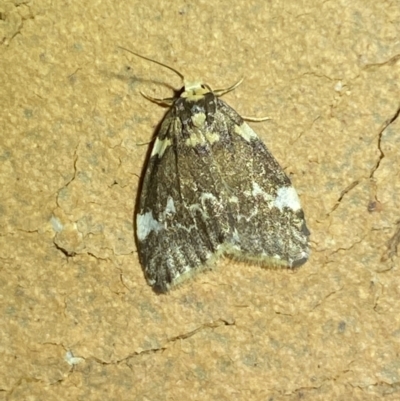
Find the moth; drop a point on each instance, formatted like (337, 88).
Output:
(212, 188)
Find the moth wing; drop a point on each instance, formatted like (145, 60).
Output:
(269, 225)
(179, 228)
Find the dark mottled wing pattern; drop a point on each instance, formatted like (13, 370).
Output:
(211, 187)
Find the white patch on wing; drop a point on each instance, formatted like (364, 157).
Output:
(195, 138)
(235, 236)
(198, 119)
(287, 197)
(245, 132)
(145, 224)
(170, 208)
(200, 137)
(257, 191)
(212, 137)
(195, 207)
(207, 196)
(160, 146)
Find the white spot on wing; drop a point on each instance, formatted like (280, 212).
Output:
(235, 236)
(205, 196)
(170, 208)
(245, 132)
(287, 197)
(198, 137)
(257, 191)
(198, 119)
(234, 199)
(160, 146)
(212, 137)
(146, 224)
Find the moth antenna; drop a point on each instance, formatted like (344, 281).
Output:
(221, 92)
(155, 62)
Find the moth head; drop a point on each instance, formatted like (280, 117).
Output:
(195, 90)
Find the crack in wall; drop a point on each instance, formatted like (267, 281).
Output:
(373, 203)
(343, 194)
(214, 324)
(382, 154)
(392, 244)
